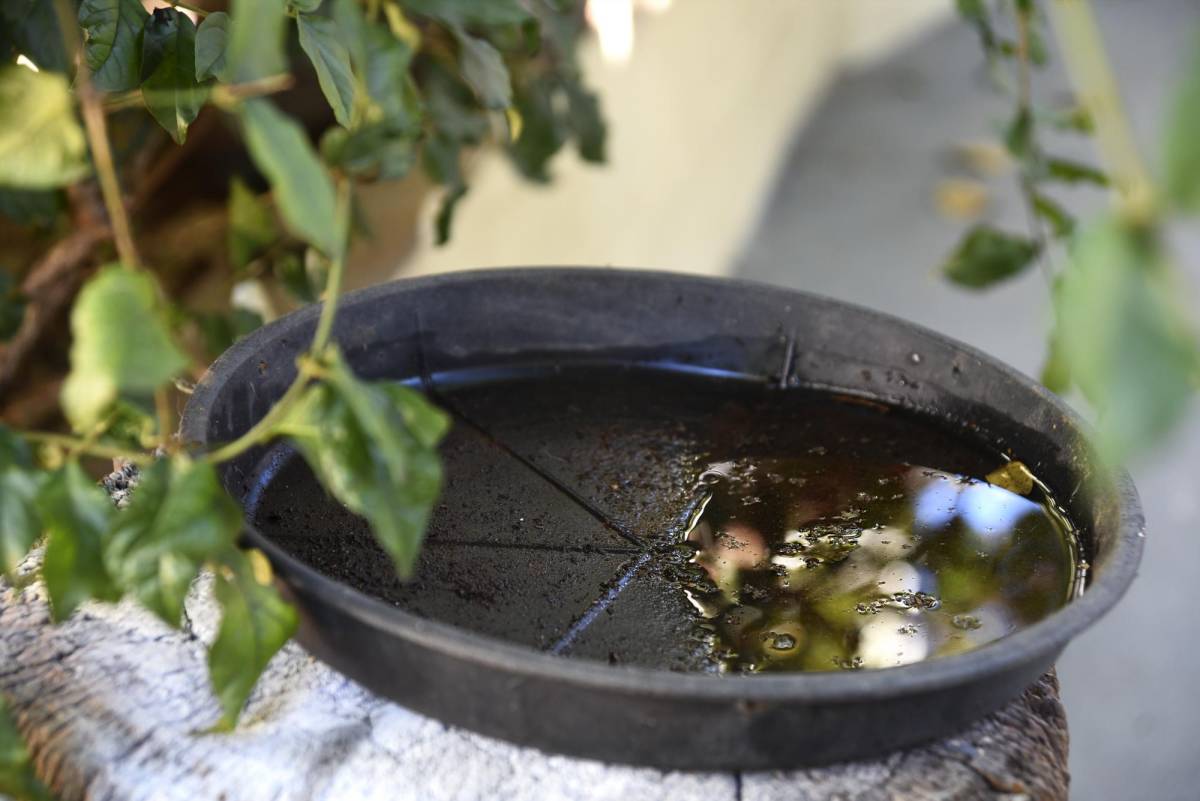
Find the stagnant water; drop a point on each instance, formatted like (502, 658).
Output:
(794, 530)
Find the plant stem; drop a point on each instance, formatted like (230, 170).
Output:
(1025, 182)
(266, 427)
(222, 94)
(82, 446)
(94, 123)
(333, 283)
(1092, 76)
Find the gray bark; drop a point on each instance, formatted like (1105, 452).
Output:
(114, 705)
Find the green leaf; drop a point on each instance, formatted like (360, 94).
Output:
(319, 41)
(12, 306)
(587, 123)
(1074, 172)
(1056, 371)
(303, 190)
(291, 272)
(256, 36)
(1125, 335)
(20, 524)
(1018, 138)
(122, 344)
(75, 513)
(170, 91)
(1061, 222)
(303, 6)
(369, 152)
(41, 143)
(987, 256)
(30, 27)
(112, 42)
(17, 778)
(252, 226)
(212, 38)
(1181, 147)
(373, 446)
(178, 517)
(976, 14)
(129, 426)
(541, 133)
(483, 68)
(255, 624)
(440, 156)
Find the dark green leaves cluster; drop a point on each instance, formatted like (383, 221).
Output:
(374, 447)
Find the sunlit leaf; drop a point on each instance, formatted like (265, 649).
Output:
(302, 188)
(1125, 335)
(112, 42)
(987, 255)
(373, 446)
(17, 779)
(255, 624)
(178, 517)
(41, 143)
(170, 91)
(1181, 148)
(252, 226)
(121, 344)
(319, 41)
(212, 39)
(255, 40)
(75, 513)
(20, 525)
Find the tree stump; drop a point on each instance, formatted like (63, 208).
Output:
(115, 707)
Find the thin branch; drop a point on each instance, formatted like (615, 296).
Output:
(80, 446)
(1096, 87)
(97, 133)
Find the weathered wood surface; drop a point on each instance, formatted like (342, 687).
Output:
(114, 705)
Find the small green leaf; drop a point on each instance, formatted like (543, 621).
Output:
(1073, 172)
(76, 514)
(112, 42)
(122, 344)
(17, 778)
(373, 446)
(319, 41)
(1056, 370)
(252, 226)
(212, 39)
(483, 68)
(541, 133)
(255, 40)
(1061, 222)
(170, 92)
(304, 192)
(369, 152)
(128, 426)
(976, 14)
(19, 521)
(290, 272)
(587, 123)
(221, 330)
(178, 517)
(303, 6)
(440, 156)
(255, 624)
(1018, 138)
(1181, 148)
(12, 306)
(987, 256)
(41, 143)
(1125, 335)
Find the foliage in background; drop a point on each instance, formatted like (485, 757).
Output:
(409, 84)
(1123, 333)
